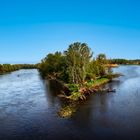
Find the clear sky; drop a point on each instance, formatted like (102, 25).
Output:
(30, 29)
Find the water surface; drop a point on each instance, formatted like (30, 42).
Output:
(28, 109)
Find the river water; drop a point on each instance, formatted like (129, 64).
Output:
(29, 106)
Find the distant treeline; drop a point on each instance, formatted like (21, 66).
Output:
(125, 61)
(5, 68)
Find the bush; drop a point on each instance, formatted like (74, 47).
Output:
(73, 87)
(75, 96)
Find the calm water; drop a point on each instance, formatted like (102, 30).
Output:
(28, 109)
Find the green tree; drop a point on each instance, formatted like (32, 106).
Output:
(78, 57)
(102, 61)
(101, 58)
(93, 70)
(54, 66)
(1, 69)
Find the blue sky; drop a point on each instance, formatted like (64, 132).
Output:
(30, 29)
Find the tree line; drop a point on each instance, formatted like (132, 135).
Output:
(125, 61)
(5, 68)
(75, 65)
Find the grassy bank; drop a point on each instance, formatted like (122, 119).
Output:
(78, 94)
(98, 82)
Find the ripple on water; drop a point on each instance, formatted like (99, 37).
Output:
(29, 110)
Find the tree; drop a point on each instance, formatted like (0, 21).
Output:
(78, 57)
(102, 60)
(1, 69)
(93, 70)
(54, 66)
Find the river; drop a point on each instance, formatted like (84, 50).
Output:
(29, 106)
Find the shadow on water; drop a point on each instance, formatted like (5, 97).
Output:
(53, 89)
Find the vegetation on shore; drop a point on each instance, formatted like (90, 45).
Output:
(81, 93)
(6, 68)
(77, 69)
(79, 72)
(125, 61)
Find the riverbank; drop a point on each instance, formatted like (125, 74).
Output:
(88, 87)
(79, 94)
(7, 68)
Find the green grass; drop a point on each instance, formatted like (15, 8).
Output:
(100, 81)
(75, 89)
(97, 82)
